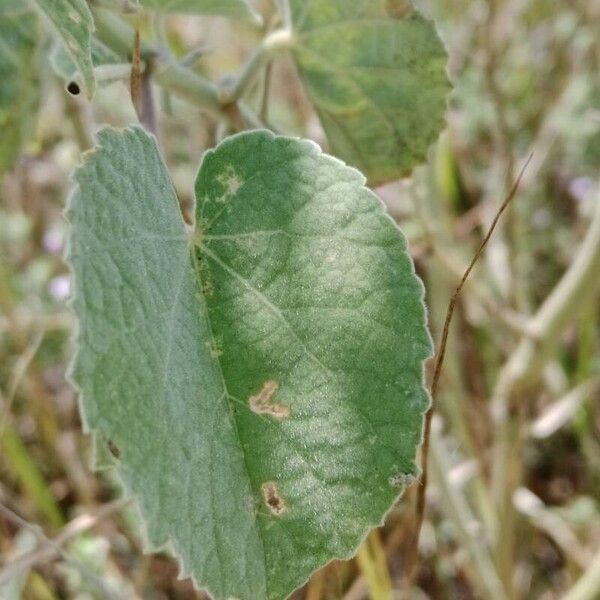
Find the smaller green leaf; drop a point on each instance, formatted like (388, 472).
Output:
(375, 71)
(74, 23)
(232, 9)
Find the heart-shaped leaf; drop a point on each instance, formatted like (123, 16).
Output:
(259, 379)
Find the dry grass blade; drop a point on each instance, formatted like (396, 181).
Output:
(19, 371)
(439, 361)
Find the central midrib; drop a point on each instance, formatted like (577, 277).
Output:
(233, 420)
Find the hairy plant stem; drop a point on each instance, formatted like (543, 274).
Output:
(275, 42)
(74, 113)
(263, 113)
(286, 13)
(180, 80)
(167, 73)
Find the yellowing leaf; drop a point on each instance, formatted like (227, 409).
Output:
(375, 71)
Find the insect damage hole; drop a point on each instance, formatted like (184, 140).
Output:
(73, 88)
(261, 403)
(275, 503)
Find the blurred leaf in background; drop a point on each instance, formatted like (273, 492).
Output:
(19, 90)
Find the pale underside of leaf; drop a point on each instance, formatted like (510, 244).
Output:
(232, 9)
(375, 71)
(74, 23)
(63, 64)
(262, 379)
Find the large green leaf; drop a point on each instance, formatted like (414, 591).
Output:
(375, 71)
(18, 86)
(74, 23)
(233, 9)
(260, 377)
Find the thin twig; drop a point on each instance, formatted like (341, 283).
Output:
(140, 86)
(286, 12)
(439, 361)
(263, 113)
(168, 73)
(135, 78)
(274, 42)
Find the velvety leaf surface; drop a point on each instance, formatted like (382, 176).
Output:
(74, 23)
(18, 89)
(63, 64)
(233, 9)
(375, 71)
(261, 378)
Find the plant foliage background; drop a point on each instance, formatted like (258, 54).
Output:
(513, 507)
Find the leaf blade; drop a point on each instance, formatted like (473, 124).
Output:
(294, 363)
(142, 363)
(376, 74)
(303, 335)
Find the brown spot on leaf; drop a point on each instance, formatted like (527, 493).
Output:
(261, 403)
(275, 503)
(398, 9)
(113, 449)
